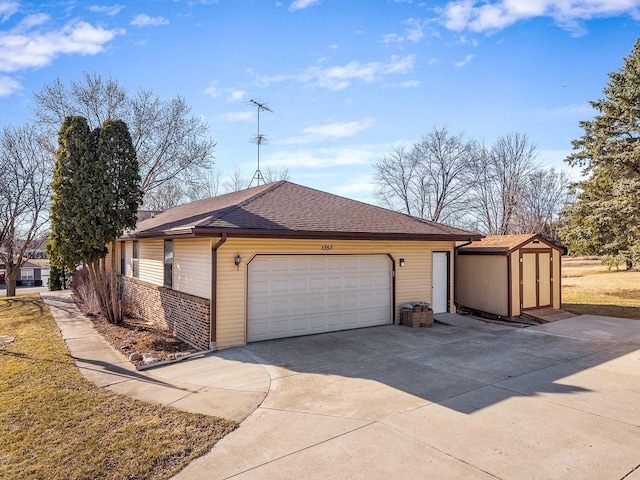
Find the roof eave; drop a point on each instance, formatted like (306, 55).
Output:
(297, 234)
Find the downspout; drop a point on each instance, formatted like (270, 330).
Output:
(214, 284)
(455, 270)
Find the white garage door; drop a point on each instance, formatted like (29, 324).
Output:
(300, 295)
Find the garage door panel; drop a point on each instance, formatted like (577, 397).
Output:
(299, 285)
(280, 265)
(317, 294)
(317, 264)
(316, 284)
(280, 286)
(299, 264)
(299, 305)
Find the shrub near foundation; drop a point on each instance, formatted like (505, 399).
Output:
(56, 424)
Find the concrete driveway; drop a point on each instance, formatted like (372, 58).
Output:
(457, 401)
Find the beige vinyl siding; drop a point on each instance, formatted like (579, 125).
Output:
(515, 283)
(557, 279)
(107, 259)
(412, 282)
(151, 261)
(544, 285)
(192, 267)
(481, 283)
(128, 252)
(528, 280)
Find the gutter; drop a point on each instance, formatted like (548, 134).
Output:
(455, 270)
(214, 284)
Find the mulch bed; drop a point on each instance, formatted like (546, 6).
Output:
(135, 335)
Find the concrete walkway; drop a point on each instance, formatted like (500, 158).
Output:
(462, 399)
(227, 384)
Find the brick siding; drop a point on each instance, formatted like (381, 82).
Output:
(184, 316)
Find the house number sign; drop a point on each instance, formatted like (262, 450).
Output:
(327, 247)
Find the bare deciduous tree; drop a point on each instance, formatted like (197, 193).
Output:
(394, 176)
(545, 195)
(275, 175)
(502, 173)
(25, 192)
(170, 142)
(430, 180)
(236, 180)
(494, 190)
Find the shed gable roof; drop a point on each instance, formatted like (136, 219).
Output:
(502, 244)
(287, 209)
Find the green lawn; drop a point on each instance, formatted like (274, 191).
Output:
(590, 288)
(56, 424)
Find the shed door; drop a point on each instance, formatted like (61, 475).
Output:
(536, 279)
(440, 282)
(291, 295)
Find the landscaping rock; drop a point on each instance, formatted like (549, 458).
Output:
(134, 357)
(148, 358)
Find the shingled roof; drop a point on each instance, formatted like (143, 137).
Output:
(502, 244)
(285, 209)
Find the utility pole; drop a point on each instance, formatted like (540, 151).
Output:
(259, 139)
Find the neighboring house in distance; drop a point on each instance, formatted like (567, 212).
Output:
(30, 274)
(281, 260)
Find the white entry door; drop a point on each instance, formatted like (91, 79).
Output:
(440, 282)
(291, 295)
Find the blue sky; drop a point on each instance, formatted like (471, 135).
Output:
(346, 80)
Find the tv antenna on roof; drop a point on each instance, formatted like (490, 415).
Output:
(259, 139)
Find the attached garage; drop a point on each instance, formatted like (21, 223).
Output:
(507, 275)
(282, 260)
(291, 295)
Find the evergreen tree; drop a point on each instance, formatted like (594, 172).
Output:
(605, 219)
(96, 188)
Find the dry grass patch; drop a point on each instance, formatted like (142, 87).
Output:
(56, 424)
(588, 287)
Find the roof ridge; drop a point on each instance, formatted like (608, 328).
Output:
(246, 201)
(408, 215)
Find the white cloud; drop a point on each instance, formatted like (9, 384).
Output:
(391, 38)
(408, 84)
(8, 86)
(145, 20)
(341, 77)
(330, 131)
(487, 16)
(23, 47)
(361, 188)
(415, 31)
(212, 89)
(237, 116)
(110, 10)
(466, 60)
(8, 9)
(467, 41)
(555, 158)
(302, 4)
(582, 110)
(31, 21)
(236, 95)
(320, 158)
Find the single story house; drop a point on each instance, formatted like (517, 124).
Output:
(29, 274)
(506, 275)
(281, 260)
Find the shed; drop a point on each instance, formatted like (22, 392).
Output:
(506, 275)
